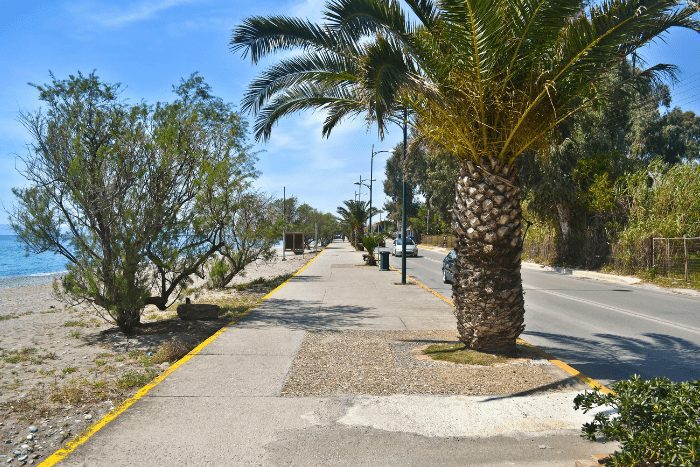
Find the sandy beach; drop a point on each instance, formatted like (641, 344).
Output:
(62, 367)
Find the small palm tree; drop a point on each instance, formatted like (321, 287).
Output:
(353, 216)
(484, 80)
(371, 242)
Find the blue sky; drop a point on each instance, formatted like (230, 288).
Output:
(149, 45)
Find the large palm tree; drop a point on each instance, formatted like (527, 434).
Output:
(353, 217)
(485, 80)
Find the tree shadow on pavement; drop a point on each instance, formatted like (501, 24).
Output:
(304, 278)
(613, 357)
(307, 315)
(570, 382)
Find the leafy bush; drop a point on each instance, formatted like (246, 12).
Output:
(217, 273)
(655, 421)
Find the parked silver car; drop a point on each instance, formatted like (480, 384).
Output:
(411, 248)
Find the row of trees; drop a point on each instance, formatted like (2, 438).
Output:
(484, 81)
(141, 198)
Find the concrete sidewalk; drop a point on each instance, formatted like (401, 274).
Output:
(224, 406)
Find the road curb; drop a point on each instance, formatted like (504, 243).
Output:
(71, 446)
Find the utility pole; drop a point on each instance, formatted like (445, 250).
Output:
(427, 218)
(284, 222)
(360, 184)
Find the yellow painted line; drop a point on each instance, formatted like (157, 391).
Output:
(594, 384)
(71, 446)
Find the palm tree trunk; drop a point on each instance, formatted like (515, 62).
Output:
(488, 291)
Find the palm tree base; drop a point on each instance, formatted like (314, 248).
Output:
(487, 290)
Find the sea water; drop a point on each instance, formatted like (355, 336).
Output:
(17, 267)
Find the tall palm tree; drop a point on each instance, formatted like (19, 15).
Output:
(485, 80)
(353, 216)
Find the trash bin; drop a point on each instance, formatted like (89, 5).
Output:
(384, 260)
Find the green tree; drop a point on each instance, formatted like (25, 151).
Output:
(429, 221)
(676, 137)
(251, 229)
(124, 192)
(484, 80)
(304, 218)
(394, 171)
(565, 180)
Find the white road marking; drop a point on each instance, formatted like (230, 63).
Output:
(613, 308)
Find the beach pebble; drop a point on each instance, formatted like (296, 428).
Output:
(33, 429)
(9, 459)
(30, 436)
(25, 446)
(88, 416)
(22, 458)
(543, 446)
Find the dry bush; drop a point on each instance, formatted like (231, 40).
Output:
(170, 351)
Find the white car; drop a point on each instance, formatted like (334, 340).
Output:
(411, 248)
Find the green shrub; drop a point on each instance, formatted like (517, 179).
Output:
(217, 273)
(371, 242)
(657, 421)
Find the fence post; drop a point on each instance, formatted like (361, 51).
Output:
(651, 258)
(668, 258)
(685, 256)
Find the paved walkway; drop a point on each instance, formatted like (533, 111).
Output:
(224, 406)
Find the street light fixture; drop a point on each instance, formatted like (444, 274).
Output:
(360, 184)
(371, 173)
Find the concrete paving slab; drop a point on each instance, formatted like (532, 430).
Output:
(202, 430)
(352, 446)
(225, 375)
(468, 416)
(269, 341)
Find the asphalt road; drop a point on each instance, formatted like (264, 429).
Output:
(605, 330)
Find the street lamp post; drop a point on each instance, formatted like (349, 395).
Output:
(284, 222)
(403, 198)
(360, 184)
(371, 172)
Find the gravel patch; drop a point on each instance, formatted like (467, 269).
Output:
(390, 362)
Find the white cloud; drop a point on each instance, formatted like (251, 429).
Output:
(311, 9)
(124, 14)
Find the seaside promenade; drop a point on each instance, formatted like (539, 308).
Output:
(281, 387)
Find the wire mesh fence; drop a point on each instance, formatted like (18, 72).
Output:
(677, 258)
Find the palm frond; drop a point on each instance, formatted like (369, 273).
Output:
(322, 67)
(259, 36)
